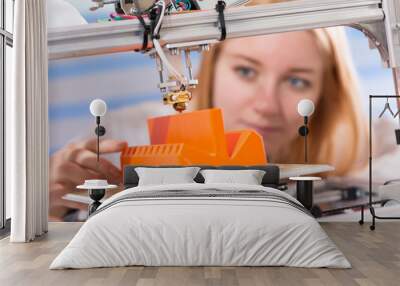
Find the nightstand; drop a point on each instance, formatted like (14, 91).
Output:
(96, 190)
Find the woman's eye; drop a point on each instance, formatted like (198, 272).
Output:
(246, 72)
(299, 83)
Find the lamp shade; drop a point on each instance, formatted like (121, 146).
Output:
(305, 107)
(98, 107)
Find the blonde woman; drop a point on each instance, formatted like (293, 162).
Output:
(258, 82)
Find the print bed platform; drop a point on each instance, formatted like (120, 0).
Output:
(199, 224)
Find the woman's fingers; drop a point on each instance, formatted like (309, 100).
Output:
(106, 145)
(75, 163)
(73, 174)
(87, 157)
(58, 190)
(88, 160)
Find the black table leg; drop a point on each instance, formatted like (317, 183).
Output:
(305, 193)
(361, 221)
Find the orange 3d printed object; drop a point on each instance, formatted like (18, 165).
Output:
(196, 138)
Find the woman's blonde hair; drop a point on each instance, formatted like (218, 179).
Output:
(337, 129)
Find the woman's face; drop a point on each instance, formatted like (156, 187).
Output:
(260, 80)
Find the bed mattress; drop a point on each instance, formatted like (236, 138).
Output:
(201, 225)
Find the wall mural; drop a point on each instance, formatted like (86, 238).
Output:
(253, 84)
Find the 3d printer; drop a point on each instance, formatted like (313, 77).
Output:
(176, 87)
(161, 29)
(166, 30)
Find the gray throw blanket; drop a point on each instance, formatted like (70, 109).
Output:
(199, 194)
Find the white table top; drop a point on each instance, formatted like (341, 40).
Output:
(305, 178)
(296, 170)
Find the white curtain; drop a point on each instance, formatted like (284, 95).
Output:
(27, 123)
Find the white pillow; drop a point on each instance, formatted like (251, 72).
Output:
(162, 176)
(248, 177)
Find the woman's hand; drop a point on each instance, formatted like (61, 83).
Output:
(77, 162)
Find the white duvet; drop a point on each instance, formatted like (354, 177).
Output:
(200, 231)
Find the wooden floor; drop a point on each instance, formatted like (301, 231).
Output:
(375, 257)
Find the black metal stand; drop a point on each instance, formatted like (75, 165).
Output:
(305, 194)
(100, 131)
(303, 131)
(96, 195)
(304, 190)
(371, 203)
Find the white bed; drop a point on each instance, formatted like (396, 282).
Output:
(264, 229)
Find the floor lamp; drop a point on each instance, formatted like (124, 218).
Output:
(97, 188)
(304, 185)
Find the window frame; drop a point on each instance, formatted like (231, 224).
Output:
(6, 39)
